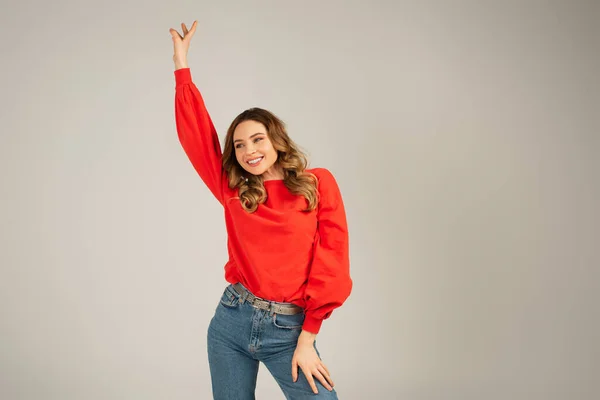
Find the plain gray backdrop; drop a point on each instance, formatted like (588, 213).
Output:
(464, 136)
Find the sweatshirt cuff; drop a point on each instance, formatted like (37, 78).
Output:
(182, 76)
(312, 324)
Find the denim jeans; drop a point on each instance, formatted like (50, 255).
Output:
(241, 336)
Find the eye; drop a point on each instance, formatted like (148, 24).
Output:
(257, 139)
(238, 146)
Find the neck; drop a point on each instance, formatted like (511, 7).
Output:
(273, 173)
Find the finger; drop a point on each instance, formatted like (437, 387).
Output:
(310, 380)
(294, 370)
(185, 30)
(321, 379)
(326, 370)
(323, 370)
(193, 28)
(175, 34)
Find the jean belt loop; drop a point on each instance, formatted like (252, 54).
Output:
(271, 309)
(243, 297)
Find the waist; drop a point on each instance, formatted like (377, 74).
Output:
(264, 304)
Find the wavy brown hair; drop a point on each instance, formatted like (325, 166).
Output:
(290, 159)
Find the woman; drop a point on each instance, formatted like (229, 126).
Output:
(287, 241)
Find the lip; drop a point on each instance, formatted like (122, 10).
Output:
(258, 163)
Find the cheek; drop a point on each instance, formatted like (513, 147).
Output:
(268, 148)
(273, 153)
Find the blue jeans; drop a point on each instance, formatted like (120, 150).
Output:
(241, 336)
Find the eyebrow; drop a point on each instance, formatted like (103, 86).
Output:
(256, 134)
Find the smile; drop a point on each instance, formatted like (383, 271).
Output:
(255, 162)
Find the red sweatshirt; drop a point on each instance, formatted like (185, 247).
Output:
(278, 252)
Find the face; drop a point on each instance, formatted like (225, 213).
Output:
(253, 149)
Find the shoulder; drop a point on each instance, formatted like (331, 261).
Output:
(321, 173)
(326, 182)
(324, 176)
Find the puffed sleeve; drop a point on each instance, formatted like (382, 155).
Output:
(329, 282)
(197, 133)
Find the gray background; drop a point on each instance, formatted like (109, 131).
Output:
(464, 137)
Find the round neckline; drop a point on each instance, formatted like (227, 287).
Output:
(273, 180)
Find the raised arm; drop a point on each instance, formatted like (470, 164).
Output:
(197, 133)
(195, 129)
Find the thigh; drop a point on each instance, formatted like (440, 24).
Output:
(284, 333)
(233, 371)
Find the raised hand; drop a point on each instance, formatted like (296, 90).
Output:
(181, 44)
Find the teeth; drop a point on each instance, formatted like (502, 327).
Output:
(255, 160)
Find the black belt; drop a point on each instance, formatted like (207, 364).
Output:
(257, 302)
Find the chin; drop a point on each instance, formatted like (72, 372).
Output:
(255, 173)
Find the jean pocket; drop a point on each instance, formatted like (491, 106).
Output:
(230, 297)
(288, 321)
